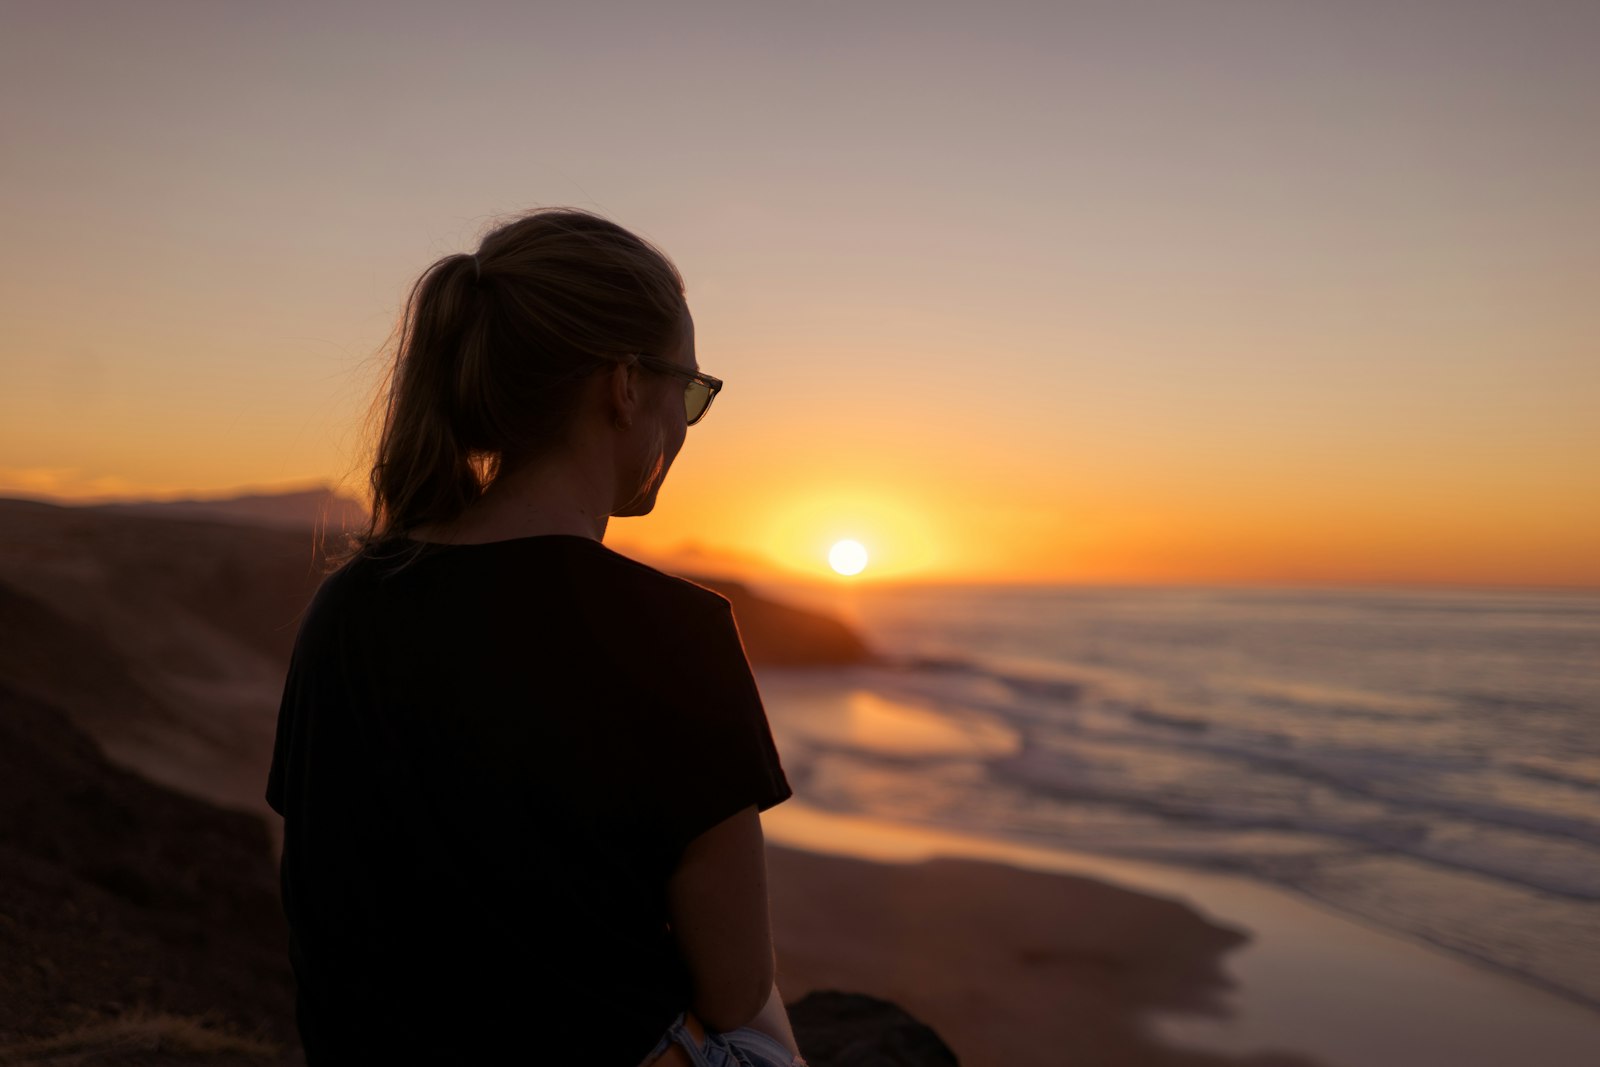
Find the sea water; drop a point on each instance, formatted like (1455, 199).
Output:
(1426, 760)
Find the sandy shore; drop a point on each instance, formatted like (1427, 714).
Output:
(1024, 956)
(1010, 966)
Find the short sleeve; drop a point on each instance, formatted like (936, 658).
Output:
(282, 748)
(720, 756)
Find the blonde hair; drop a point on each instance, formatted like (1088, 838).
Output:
(494, 349)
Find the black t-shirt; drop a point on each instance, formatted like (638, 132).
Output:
(488, 764)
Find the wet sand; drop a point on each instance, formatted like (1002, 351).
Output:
(1020, 955)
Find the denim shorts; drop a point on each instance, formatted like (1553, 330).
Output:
(743, 1047)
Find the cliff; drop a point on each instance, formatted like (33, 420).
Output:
(142, 661)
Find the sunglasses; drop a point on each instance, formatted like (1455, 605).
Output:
(699, 391)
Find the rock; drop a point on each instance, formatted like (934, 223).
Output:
(835, 1029)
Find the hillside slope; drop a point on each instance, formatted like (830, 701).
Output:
(119, 896)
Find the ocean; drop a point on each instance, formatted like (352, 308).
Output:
(1427, 761)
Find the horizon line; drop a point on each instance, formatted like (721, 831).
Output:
(779, 574)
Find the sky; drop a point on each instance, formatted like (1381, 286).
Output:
(1181, 291)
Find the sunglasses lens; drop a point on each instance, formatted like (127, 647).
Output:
(696, 398)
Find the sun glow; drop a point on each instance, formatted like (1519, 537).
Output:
(800, 528)
(848, 557)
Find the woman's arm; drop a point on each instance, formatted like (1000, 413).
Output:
(773, 1020)
(717, 904)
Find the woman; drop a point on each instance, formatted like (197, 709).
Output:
(520, 773)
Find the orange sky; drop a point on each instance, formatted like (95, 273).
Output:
(1164, 292)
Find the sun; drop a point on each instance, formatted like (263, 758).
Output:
(848, 557)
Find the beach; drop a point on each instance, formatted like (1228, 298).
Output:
(1022, 955)
(1422, 762)
(1373, 929)
(1008, 965)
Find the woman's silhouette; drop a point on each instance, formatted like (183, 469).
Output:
(520, 773)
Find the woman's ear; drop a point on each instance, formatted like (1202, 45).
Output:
(623, 388)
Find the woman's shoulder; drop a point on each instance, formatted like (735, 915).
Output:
(588, 563)
(669, 587)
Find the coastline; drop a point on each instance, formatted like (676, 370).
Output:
(176, 675)
(1299, 984)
